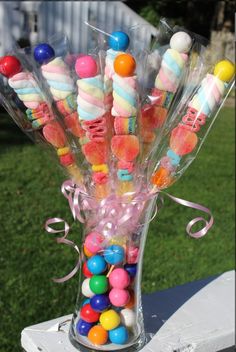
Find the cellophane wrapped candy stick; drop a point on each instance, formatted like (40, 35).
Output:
(92, 116)
(125, 144)
(38, 113)
(62, 87)
(186, 138)
(153, 115)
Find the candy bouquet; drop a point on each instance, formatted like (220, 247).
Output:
(121, 142)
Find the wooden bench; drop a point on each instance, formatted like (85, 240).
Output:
(195, 317)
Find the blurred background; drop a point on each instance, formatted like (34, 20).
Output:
(30, 181)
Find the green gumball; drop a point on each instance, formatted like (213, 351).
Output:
(98, 284)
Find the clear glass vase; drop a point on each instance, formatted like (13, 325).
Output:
(108, 314)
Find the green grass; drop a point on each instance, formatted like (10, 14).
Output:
(30, 193)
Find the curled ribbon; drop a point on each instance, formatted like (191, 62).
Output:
(112, 215)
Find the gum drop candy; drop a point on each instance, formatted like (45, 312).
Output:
(94, 242)
(96, 264)
(118, 297)
(119, 335)
(124, 65)
(109, 320)
(88, 314)
(125, 148)
(98, 284)
(98, 335)
(118, 41)
(54, 134)
(183, 141)
(119, 278)
(95, 152)
(86, 66)
(83, 327)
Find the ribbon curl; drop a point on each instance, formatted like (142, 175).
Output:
(113, 214)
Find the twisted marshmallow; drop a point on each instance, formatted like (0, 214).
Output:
(124, 96)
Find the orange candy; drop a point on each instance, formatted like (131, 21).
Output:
(87, 252)
(131, 302)
(161, 178)
(97, 335)
(124, 65)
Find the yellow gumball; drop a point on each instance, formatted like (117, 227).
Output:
(224, 70)
(109, 320)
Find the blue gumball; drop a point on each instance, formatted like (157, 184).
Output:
(119, 335)
(118, 41)
(96, 265)
(82, 327)
(43, 53)
(114, 254)
(86, 301)
(131, 269)
(99, 303)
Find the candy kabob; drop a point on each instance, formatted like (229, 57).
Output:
(93, 119)
(38, 112)
(179, 150)
(153, 115)
(125, 144)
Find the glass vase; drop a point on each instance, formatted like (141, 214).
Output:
(108, 314)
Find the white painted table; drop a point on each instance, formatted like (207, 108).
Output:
(196, 317)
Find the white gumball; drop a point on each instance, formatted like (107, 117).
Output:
(128, 317)
(86, 291)
(181, 42)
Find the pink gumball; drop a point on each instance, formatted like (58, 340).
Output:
(86, 66)
(132, 255)
(119, 278)
(94, 242)
(118, 297)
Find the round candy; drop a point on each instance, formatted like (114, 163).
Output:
(181, 42)
(87, 252)
(128, 317)
(82, 327)
(94, 242)
(131, 302)
(124, 65)
(86, 301)
(109, 319)
(131, 269)
(118, 297)
(119, 278)
(9, 66)
(86, 291)
(118, 41)
(86, 66)
(119, 335)
(100, 302)
(98, 335)
(86, 271)
(114, 254)
(88, 314)
(96, 264)
(98, 284)
(43, 53)
(224, 70)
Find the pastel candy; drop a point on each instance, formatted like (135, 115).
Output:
(125, 147)
(153, 116)
(73, 125)
(183, 141)
(54, 134)
(95, 152)
(119, 297)
(67, 159)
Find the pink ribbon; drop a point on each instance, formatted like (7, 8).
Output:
(112, 214)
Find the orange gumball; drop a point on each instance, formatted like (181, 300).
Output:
(87, 252)
(124, 65)
(98, 335)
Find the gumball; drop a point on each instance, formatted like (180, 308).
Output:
(131, 301)
(114, 254)
(82, 327)
(99, 303)
(96, 264)
(98, 335)
(181, 42)
(124, 65)
(119, 278)
(43, 53)
(86, 66)
(86, 301)
(86, 271)
(86, 291)
(131, 269)
(118, 41)
(9, 66)
(224, 70)
(109, 319)
(88, 314)
(128, 317)
(94, 241)
(98, 284)
(118, 297)
(119, 335)
(87, 252)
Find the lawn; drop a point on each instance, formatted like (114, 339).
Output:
(30, 193)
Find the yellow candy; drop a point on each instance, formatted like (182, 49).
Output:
(100, 168)
(224, 70)
(75, 173)
(125, 187)
(109, 320)
(118, 240)
(63, 151)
